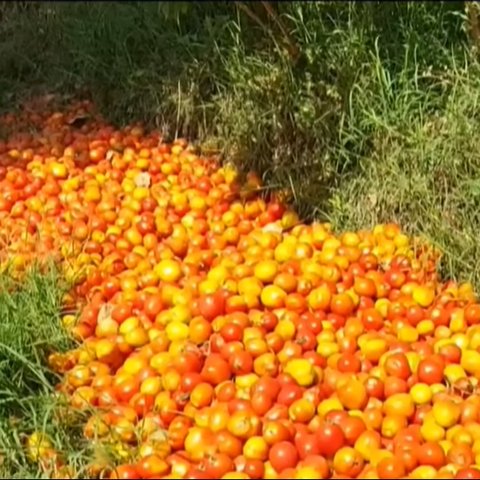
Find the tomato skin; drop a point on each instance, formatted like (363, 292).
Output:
(268, 385)
(371, 319)
(375, 388)
(152, 306)
(188, 362)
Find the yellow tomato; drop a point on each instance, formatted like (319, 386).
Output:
(301, 371)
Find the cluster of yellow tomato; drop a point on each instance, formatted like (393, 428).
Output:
(220, 337)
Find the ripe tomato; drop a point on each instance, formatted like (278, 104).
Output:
(347, 461)
(330, 439)
(307, 445)
(217, 465)
(152, 466)
(391, 468)
(432, 454)
(215, 370)
(431, 370)
(275, 431)
(352, 428)
(283, 455)
(348, 362)
(471, 472)
(212, 305)
(397, 365)
(125, 472)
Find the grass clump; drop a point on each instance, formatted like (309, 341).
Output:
(422, 165)
(30, 329)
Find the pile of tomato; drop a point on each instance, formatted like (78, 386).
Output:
(220, 337)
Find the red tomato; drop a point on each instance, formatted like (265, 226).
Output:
(430, 370)
(212, 306)
(215, 370)
(307, 445)
(330, 438)
(125, 472)
(283, 455)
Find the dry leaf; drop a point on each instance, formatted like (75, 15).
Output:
(143, 180)
(105, 312)
(273, 228)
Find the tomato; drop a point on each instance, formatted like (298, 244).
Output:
(152, 466)
(432, 454)
(212, 305)
(197, 474)
(375, 388)
(127, 388)
(472, 314)
(397, 365)
(353, 394)
(283, 455)
(348, 362)
(372, 320)
(352, 428)
(275, 431)
(430, 370)
(471, 472)
(121, 312)
(391, 468)
(125, 472)
(307, 445)
(261, 403)
(217, 465)
(153, 306)
(229, 444)
(255, 469)
(215, 370)
(347, 461)
(330, 438)
(241, 363)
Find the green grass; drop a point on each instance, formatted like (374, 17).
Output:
(30, 330)
(423, 168)
(375, 120)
